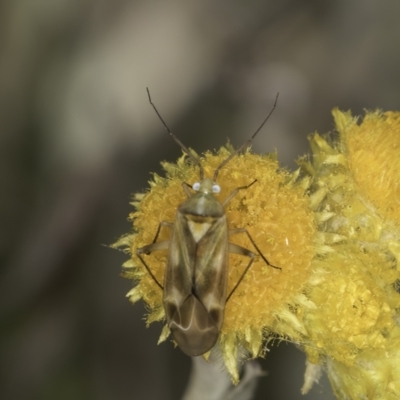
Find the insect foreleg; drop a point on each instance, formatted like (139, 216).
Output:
(234, 192)
(186, 187)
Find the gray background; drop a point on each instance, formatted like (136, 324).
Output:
(78, 137)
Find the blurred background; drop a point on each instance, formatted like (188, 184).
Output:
(78, 138)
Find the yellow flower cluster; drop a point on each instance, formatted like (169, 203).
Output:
(355, 193)
(335, 234)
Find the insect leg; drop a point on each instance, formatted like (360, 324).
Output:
(147, 250)
(162, 223)
(186, 187)
(236, 249)
(154, 246)
(234, 192)
(244, 230)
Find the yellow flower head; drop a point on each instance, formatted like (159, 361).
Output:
(276, 214)
(373, 156)
(355, 193)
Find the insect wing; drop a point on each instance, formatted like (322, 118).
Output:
(195, 281)
(211, 269)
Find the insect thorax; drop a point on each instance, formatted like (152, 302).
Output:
(202, 204)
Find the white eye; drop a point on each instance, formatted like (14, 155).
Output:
(196, 186)
(216, 188)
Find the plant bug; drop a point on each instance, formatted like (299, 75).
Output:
(196, 274)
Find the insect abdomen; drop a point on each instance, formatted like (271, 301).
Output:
(193, 327)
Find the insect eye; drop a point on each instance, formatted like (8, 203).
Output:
(216, 188)
(196, 186)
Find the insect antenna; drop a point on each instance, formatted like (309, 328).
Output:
(185, 149)
(245, 144)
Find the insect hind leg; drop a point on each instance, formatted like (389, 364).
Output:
(154, 246)
(244, 230)
(236, 249)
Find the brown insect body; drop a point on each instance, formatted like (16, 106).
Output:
(196, 277)
(196, 274)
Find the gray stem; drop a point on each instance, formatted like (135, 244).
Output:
(209, 380)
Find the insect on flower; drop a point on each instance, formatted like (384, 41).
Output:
(196, 274)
